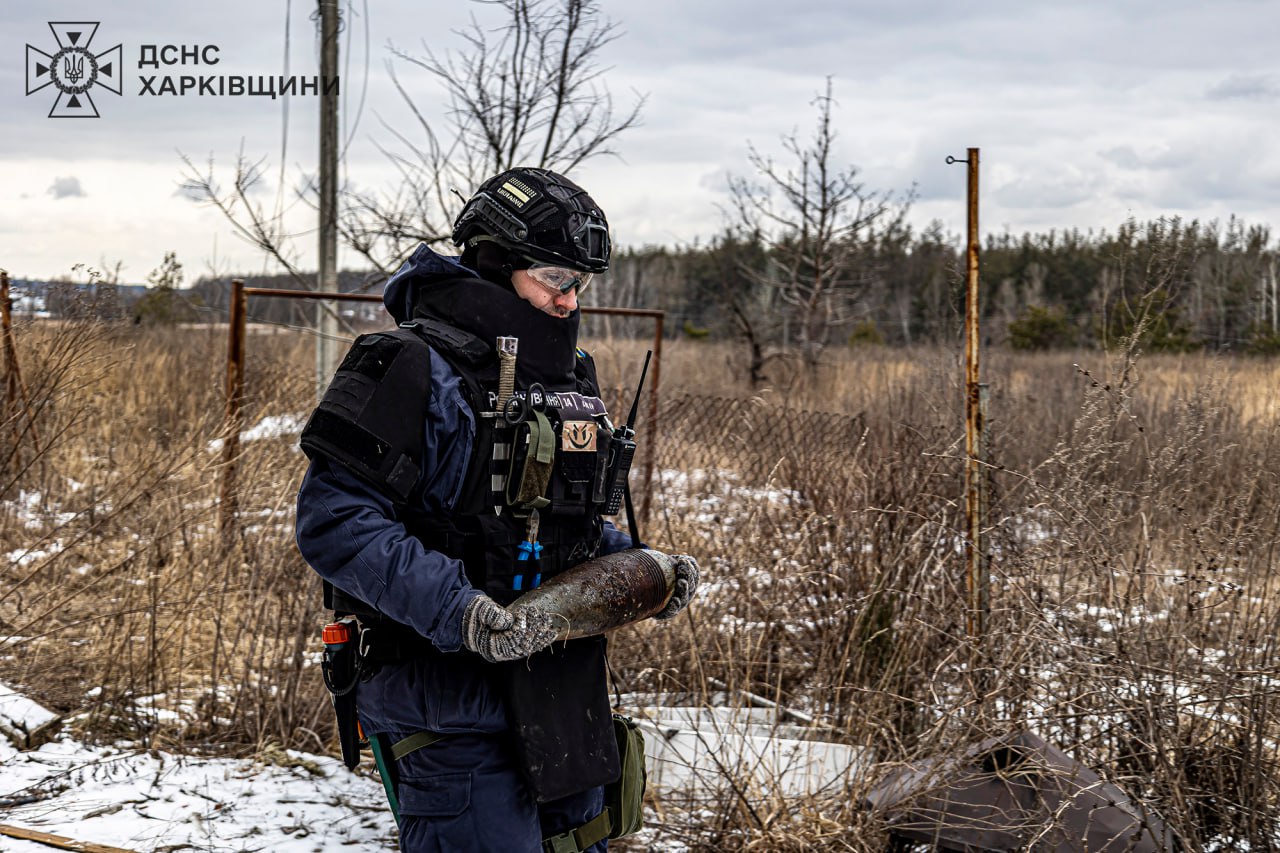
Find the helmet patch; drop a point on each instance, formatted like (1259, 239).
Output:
(517, 193)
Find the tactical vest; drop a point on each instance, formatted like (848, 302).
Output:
(544, 456)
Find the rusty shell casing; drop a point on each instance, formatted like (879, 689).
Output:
(605, 593)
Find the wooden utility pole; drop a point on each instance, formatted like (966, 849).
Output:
(327, 277)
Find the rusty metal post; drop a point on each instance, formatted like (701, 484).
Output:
(977, 570)
(227, 504)
(14, 386)
(10, 362)
(652, 451)
(10, 371)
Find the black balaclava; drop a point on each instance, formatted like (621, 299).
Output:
(490, 307)
(494, 262)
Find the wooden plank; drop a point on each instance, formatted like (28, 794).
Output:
(58, 841)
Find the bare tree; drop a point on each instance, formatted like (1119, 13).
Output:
(249, 218)
(528, 92)
(816, 219)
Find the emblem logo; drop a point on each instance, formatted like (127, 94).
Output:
(578, 435)
(74, 70)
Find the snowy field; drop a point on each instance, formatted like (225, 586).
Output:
(293, 802)
(157, 801)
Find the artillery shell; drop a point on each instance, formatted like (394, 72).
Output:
(605, 593)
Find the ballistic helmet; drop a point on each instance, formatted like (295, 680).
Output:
(540, 215)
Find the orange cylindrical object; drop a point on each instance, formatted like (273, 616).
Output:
(335, 632)
(605, 593)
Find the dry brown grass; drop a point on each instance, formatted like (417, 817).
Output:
(1135, 511)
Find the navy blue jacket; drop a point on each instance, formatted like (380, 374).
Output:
(348, 532)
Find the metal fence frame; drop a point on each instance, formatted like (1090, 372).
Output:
(238, 321)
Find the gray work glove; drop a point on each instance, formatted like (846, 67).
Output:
(686, 584)
(497, 634)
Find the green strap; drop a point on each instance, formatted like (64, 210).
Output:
(576, 840)
(414, 742)
(543, 438)
(525, 487)
(385, 773)
(398, 750)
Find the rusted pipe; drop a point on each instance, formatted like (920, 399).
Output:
(623, 312)
(977, 575)
(311, 294)
(15, 387)
(651, 450)
(227, 504)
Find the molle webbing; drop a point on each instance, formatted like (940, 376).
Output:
(370, 417)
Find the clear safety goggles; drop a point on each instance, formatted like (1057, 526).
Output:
(559, 278)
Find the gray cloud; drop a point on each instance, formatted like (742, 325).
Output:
(66, 188)
(1161, 158)
(1048, 189)
(1122, 156)
(1085, 112)
(1253, 87)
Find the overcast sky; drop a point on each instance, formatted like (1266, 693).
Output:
(1086, 113)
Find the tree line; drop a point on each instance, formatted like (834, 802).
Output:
(1174, 285)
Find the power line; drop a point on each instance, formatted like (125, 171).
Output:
(284, 112)
(364, 84)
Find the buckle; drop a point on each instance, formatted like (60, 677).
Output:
(562, 843)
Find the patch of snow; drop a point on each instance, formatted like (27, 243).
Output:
(19, 713)
(271, 426)
(27, 556)
(33, 512)
(148, 801)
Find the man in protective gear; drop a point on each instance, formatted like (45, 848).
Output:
(455, 463)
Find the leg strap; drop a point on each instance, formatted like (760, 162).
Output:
(415, 742)
(577, 840)
(386, 754)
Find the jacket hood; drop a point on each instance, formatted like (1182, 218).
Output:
(424, 268)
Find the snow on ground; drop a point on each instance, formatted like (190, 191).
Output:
(271, 426)
(154, 801)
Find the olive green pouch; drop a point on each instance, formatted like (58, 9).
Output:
(625, 798)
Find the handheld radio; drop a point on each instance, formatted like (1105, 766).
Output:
(622, 450)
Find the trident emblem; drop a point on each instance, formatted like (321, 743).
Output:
(73, 69)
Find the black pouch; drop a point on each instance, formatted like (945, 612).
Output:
(558, 707)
